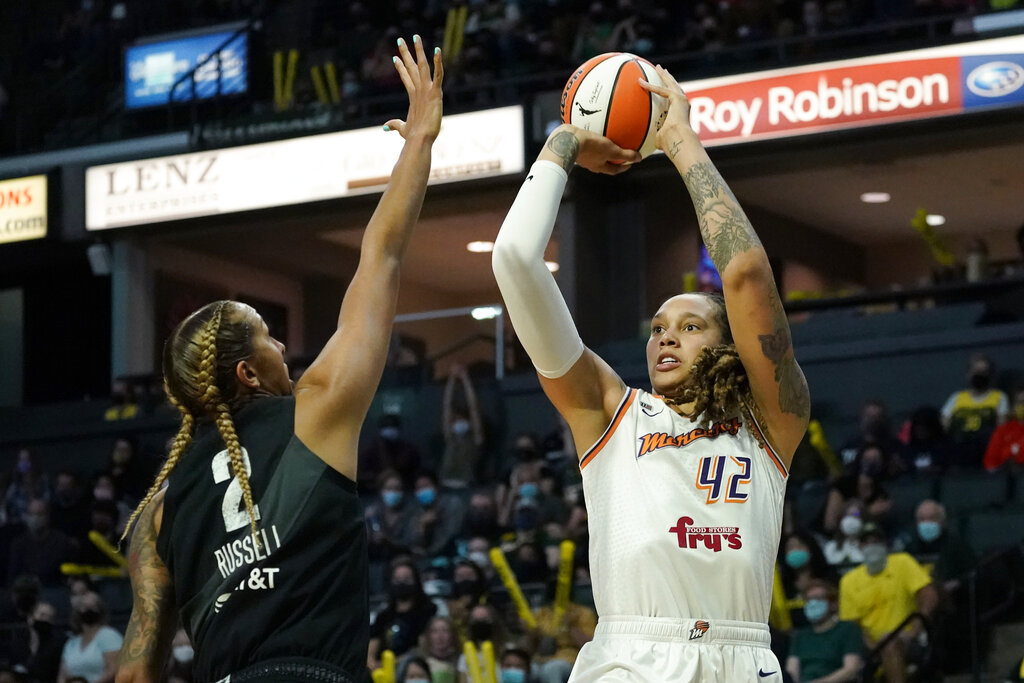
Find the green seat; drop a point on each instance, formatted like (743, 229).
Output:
(962, 492)
(993, 530)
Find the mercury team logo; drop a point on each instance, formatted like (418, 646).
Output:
(700, 627)
(654, 441)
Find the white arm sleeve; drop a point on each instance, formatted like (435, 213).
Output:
(538, 312)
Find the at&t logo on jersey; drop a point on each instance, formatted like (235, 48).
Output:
(700, 627)
(712, 537)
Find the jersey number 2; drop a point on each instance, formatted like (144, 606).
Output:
(235, 515)
(711, 478)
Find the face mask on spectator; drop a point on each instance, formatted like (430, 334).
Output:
(513, 676)
(527, 518)
(929, 531)
(184, 653)
(850, 525)
(481, 630)
(871, 468)
(479, 558)
(391, 498)
(89, 617)
(403, 590)
(980, 381)
(35, 523)
(815, 610)
(797, 558)
(103, 493)
(874, 557)
(528, 490)
(43, 629)
(389, 433)
(464, 587)
(426, 496)
(460, 427)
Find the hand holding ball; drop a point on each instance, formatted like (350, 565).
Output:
(604, 96)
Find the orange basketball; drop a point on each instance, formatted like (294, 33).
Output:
(604, 96)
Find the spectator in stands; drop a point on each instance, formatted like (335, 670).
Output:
(559, 639)
(530, 564)
(478, 552)
(388, 451)
(130, 474)
(875, 429)
(387, 518)
(17, 607)
(29, 481)
(105, 488)
(949, 559)
(927, 450)
(414, 670)
(482, 516)
(46, 643)
(179, 667)
(864, 486)
(92, 652)
(103, 517)
(827, 650)
(10, 529)
(1007, 442)
(409, 610)
(843, 548)
(971, 415)
(514, 666)
(435, 519)
(69, 511)
(440, 646)
(484, 624)
(463, 431)
(469, 589)
(803, 563)
(40, 550)
(881, 593)
(525, 505)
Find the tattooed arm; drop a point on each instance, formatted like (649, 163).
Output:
(147, 640)
(759, 325)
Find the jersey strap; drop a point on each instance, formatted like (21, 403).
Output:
(623, 408)
(767, 446)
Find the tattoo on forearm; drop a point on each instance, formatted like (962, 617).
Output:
(567, 147)
(723, 225)
(794, 397)
(153, 604)
(673, 149)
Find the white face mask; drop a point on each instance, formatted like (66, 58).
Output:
(184, 653)
(850, 525)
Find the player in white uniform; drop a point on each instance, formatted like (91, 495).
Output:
(684, 485)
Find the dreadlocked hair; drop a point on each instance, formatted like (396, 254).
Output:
(199, 361)
(718, 386)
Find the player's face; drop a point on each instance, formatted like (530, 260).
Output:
(679, 330)
(267, 359)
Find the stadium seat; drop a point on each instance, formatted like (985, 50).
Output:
(809, 503)
(907, 494)
(1016, 500)
(968, 491)
(993, 530)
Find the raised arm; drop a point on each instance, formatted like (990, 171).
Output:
(759, 325)
(335, 392)
(582, 387)
(147, 640)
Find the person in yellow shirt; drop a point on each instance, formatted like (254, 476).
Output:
(560, 640)
(882, 592)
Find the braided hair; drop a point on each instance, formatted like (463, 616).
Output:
(199, 362)
(717, 385)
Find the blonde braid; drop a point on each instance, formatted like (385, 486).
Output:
(226, 426)
(181, 440)
(210, 399)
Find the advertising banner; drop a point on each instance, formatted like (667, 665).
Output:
(475, 145)
(888, 88)
(23, 214)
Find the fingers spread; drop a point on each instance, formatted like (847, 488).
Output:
(438, 67)
(421, 60)
(668, 79)
(409, 62)
(403, 73)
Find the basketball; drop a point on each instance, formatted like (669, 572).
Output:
(604, 96)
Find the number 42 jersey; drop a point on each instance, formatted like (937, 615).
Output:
(684, 520)
(302, 592)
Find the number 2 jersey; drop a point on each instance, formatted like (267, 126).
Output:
(684, 520)
(303, 592)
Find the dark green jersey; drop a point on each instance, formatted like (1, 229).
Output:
(303, 591)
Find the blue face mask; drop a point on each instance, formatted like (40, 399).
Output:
(528, 490)
(426, 496)
(929, 531)
(797, 558)
(815, 610)
(391, 498)
(513, 676)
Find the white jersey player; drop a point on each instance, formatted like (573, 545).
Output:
(684, 485)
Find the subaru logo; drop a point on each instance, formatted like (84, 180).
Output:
(996, 79)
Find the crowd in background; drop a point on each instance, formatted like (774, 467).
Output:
(71, 64)
(434, 517)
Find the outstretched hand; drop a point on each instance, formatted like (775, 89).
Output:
(569, 144)
(677, 117)
(424, 117)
